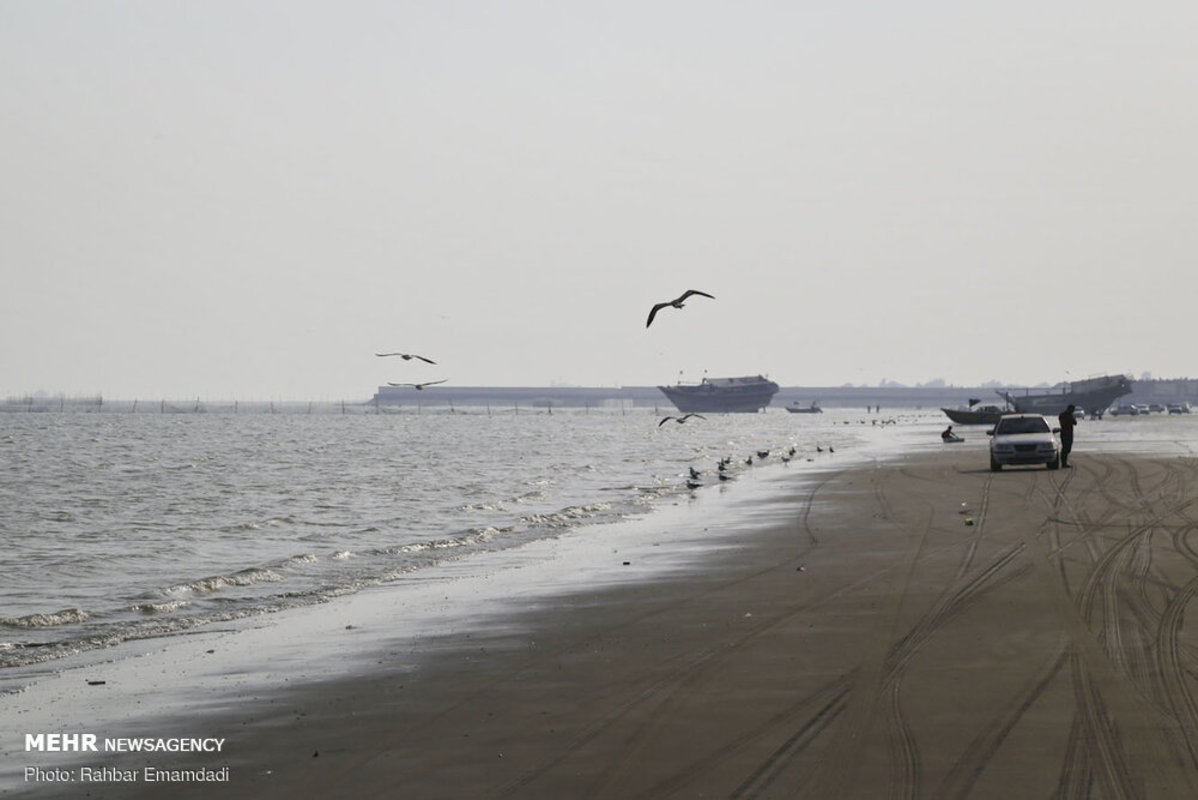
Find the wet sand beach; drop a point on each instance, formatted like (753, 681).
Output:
(915, 628)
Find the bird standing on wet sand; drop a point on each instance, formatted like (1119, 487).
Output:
(676, 303)
(679, 420)
(406, 357)
(418, 386)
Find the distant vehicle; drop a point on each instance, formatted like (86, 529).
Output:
(1179, 408)
(795, 408)
(1024, 439)
(1156, 408)
(1143, 408)
(1125, 411)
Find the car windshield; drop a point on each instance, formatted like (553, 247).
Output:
(1022, 425)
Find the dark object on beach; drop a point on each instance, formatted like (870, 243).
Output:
(675, 303)
(762, 453)
(96, 683)
(679, 420)
(975, 415)
(406, 357)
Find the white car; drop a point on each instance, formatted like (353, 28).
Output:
(1024, 439)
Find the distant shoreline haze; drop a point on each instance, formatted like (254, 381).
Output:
(889, 395)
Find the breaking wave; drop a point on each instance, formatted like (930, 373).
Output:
(67, 616)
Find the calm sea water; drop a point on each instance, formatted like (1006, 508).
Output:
(132, 525)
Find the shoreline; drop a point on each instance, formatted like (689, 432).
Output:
(918, 625)
(170, 686)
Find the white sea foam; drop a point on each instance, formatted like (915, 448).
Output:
(67, 616)
(215, 583)
(164, 607)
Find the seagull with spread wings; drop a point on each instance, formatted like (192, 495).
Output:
(675, 303)
(680, 420)
(406, 356)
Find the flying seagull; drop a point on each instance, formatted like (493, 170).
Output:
(679, 420)
(406, 356)
(677, 303)
(418, 386)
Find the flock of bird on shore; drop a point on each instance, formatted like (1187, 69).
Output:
(693, 481)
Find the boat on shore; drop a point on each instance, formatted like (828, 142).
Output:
(743, 395)
(1093, 394)
(795, 408)
(976, 414)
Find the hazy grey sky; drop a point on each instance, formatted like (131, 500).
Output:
(248, 199)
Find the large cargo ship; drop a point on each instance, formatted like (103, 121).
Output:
(1093, 395)
(744, 395)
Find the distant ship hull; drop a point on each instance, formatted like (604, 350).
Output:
(745, 395)
(1094, 395)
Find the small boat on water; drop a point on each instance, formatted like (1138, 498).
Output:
(795, 408)
(976, 414)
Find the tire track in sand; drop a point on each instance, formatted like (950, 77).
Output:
(1107, 697)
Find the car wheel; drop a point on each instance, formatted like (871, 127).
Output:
(994, 465)
(1054, 464)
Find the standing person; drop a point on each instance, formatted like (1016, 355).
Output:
(1067, 421)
